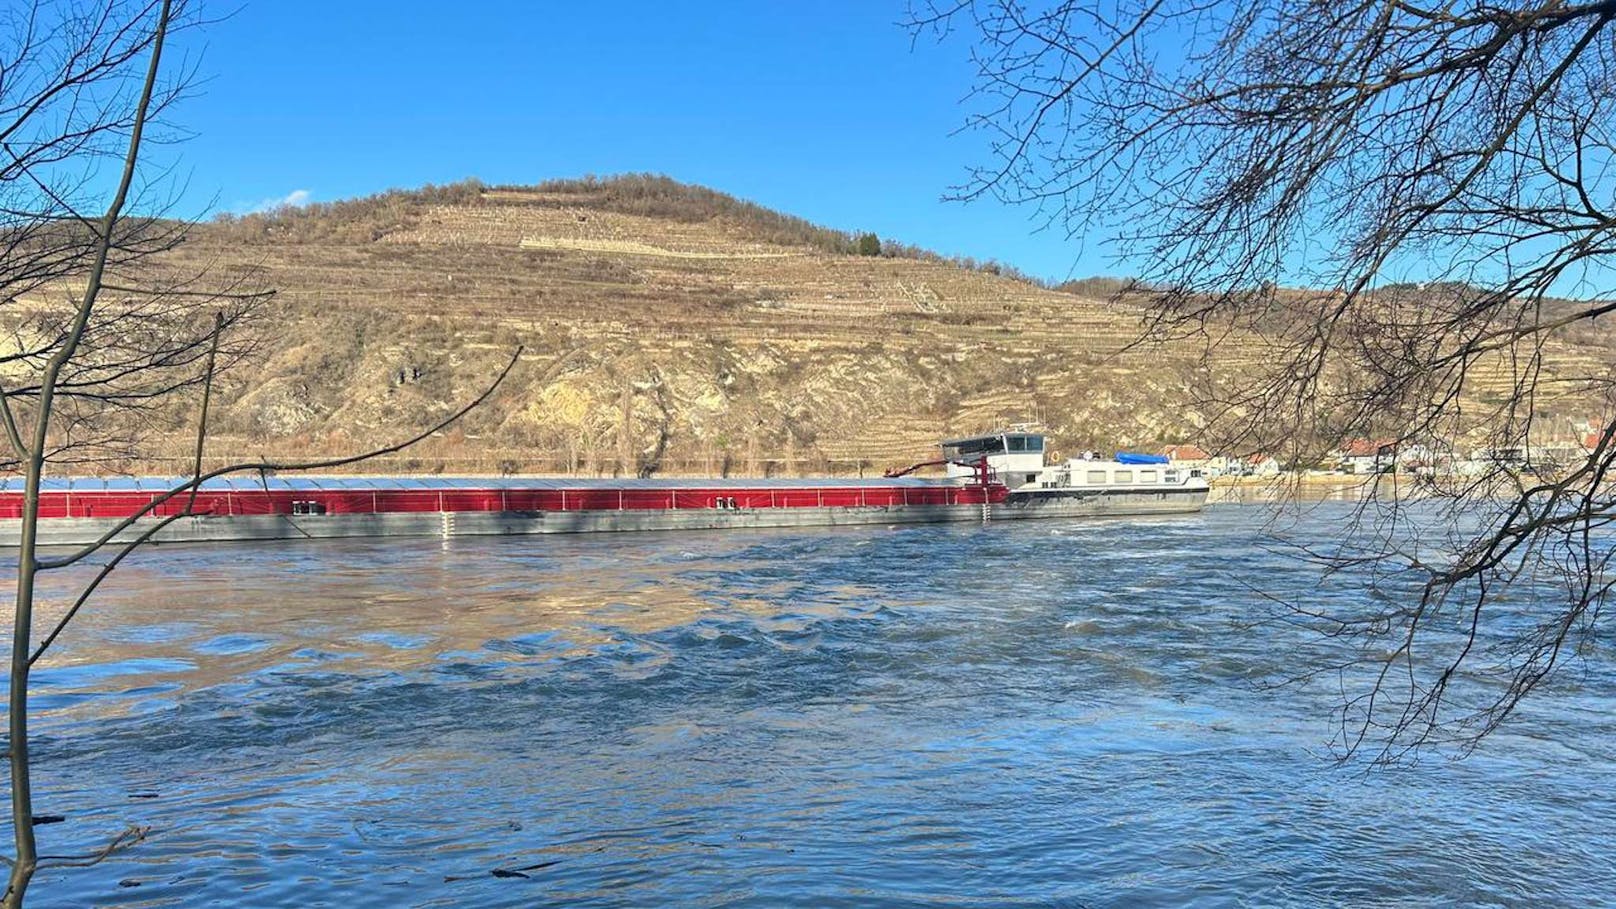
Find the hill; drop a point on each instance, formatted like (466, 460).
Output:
(667, 327)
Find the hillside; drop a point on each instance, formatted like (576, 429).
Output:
(665, 326)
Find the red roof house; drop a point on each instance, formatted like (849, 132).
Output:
(1185, 453)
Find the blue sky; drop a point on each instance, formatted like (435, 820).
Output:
(823, 110)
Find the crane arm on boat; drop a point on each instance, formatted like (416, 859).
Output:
(979, 466)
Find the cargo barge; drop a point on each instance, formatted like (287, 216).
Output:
(997, 476)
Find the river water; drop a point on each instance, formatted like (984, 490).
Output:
(1037, 714)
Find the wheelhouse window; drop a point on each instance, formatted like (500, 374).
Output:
(974, 447)
(992, 445)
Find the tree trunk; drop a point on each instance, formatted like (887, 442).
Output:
(22, 794)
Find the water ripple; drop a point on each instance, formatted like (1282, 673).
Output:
(1072, 714)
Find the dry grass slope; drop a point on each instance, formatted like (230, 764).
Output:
(754, 342)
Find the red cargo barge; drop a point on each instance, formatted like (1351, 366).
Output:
(1000, 475)
(79, 510)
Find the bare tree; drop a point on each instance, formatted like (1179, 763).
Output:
(81, 83)
(1438, 178)
(96, 324)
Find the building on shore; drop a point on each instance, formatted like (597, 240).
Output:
(1257, 465)
(1366, 456)
(1187, 456)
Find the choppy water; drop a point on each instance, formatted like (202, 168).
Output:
(1043, 714)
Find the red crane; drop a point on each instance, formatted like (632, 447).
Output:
(984, 476)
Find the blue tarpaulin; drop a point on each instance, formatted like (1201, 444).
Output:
(1128, 457)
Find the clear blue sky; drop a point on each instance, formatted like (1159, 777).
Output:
(823, 110)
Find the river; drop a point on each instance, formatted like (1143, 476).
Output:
(1033, 714)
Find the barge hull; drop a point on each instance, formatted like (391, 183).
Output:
(79, 531)
(241, 528)
(1094, 503)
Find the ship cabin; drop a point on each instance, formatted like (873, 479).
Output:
(1124, 471)
(1015, 458)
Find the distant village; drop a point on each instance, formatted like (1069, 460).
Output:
(1387, 456)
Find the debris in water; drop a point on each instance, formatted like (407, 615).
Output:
(503, 872)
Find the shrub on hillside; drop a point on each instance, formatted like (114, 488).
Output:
(1100, 286)
(350, 220)
(659, 196)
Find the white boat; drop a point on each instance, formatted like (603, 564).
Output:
(1126, 484)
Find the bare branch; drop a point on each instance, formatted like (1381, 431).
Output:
(1382, 222)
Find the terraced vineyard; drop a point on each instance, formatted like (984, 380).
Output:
(689, 342)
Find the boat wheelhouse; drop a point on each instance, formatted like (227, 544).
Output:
(1015, 457)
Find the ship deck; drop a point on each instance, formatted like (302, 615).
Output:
(113, 497)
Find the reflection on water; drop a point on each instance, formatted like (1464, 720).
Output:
(1035, 714)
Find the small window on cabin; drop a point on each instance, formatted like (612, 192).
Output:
(1123, 476)
(1032, 478)
(1147, 476)
(1096, 476)
(1018, 443)
(1170, 476)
